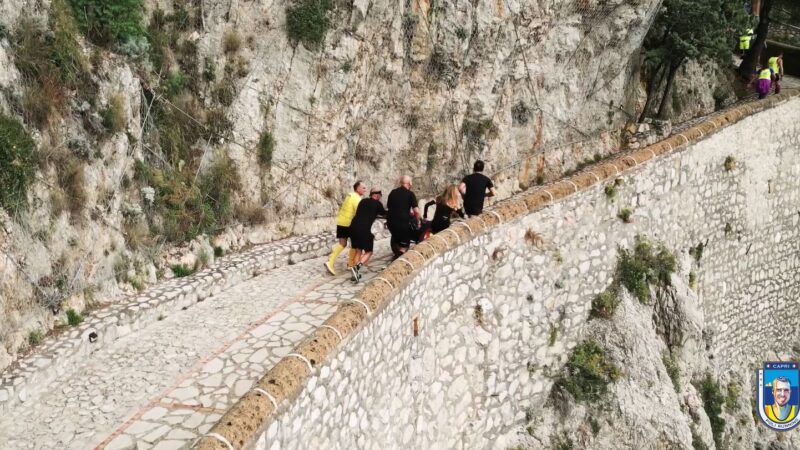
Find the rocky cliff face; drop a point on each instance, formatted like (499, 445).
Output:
(668, 398)
(422, 87)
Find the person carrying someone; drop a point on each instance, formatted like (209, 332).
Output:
(403, 210)
(776, 66)
(346, 213)
(361, 237)
(475, 188)
(447, 205)
(763, 83)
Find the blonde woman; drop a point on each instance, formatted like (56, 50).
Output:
(447, 205)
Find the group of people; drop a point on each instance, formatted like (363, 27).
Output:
(403, 218)
(769, 75)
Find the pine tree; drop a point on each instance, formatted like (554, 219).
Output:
(689, 29)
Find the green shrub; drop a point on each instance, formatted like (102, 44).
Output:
(74, 318)
(563, 442)
(114, 114)
(18, 163)
(672, 370)
(712, 403)
(588, 373)
(109, 22)
(266, 145)
(209, 70)
(697, 252)
(65, 51)
(176, 83)
(187, 207)
(611, 191)
(551, 341)
(733, 396)
(181, 270)
(697, 441)
(307, 21)
(692, 280)
(178, 130)
(50, 62)
(643, 266)
(35, 338)
(218, 252)
(605, 304)
(730, 163)
(625, 215)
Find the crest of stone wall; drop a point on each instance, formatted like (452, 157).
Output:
(450, 345)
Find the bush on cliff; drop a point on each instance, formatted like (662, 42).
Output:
(588, 373)
(17, 164)
(307, 21)
(109, 22)
(185, 207)
(643, 266)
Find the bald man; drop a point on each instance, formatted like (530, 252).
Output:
(403, 209)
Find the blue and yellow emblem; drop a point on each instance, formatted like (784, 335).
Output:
(778, 396)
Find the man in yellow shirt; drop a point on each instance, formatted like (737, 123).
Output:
(343, 219)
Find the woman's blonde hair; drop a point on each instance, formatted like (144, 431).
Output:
(450, 196)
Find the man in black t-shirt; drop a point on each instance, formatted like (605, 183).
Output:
(403, 208)
(475, 188)
(361, 237)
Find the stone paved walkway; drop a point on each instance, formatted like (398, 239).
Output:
(163, 386)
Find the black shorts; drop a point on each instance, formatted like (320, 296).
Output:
(342, 232)
(401, 235)
(362, 240)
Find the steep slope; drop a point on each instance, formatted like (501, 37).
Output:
(213, 121)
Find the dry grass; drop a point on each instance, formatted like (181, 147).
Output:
(231, 42)
(114, 114)
(72, 179)
(533, 238)
(137, 235)
(251, 214)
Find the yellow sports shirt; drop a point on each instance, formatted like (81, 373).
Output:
(348, 210)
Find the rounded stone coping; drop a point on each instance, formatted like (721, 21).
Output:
(59, 353)
(244, 421)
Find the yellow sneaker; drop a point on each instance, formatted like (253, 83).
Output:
(329, 266)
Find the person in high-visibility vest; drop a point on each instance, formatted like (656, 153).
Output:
(764, 82)
(343, 219)
(745, 40)
(776, 65)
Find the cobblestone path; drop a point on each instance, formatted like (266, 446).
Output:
(163, 386)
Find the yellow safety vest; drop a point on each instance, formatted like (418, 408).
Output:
(773, 64)
(765, 74)
(744, 43)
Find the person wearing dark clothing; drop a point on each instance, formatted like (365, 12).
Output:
(446, 207)
(361, 237)
(475, 188)
(403, 210)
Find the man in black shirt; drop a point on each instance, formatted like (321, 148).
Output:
(361, 237)
(475, 188)
(403, 209)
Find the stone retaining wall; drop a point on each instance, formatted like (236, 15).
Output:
(58, 354)
(450, 345)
